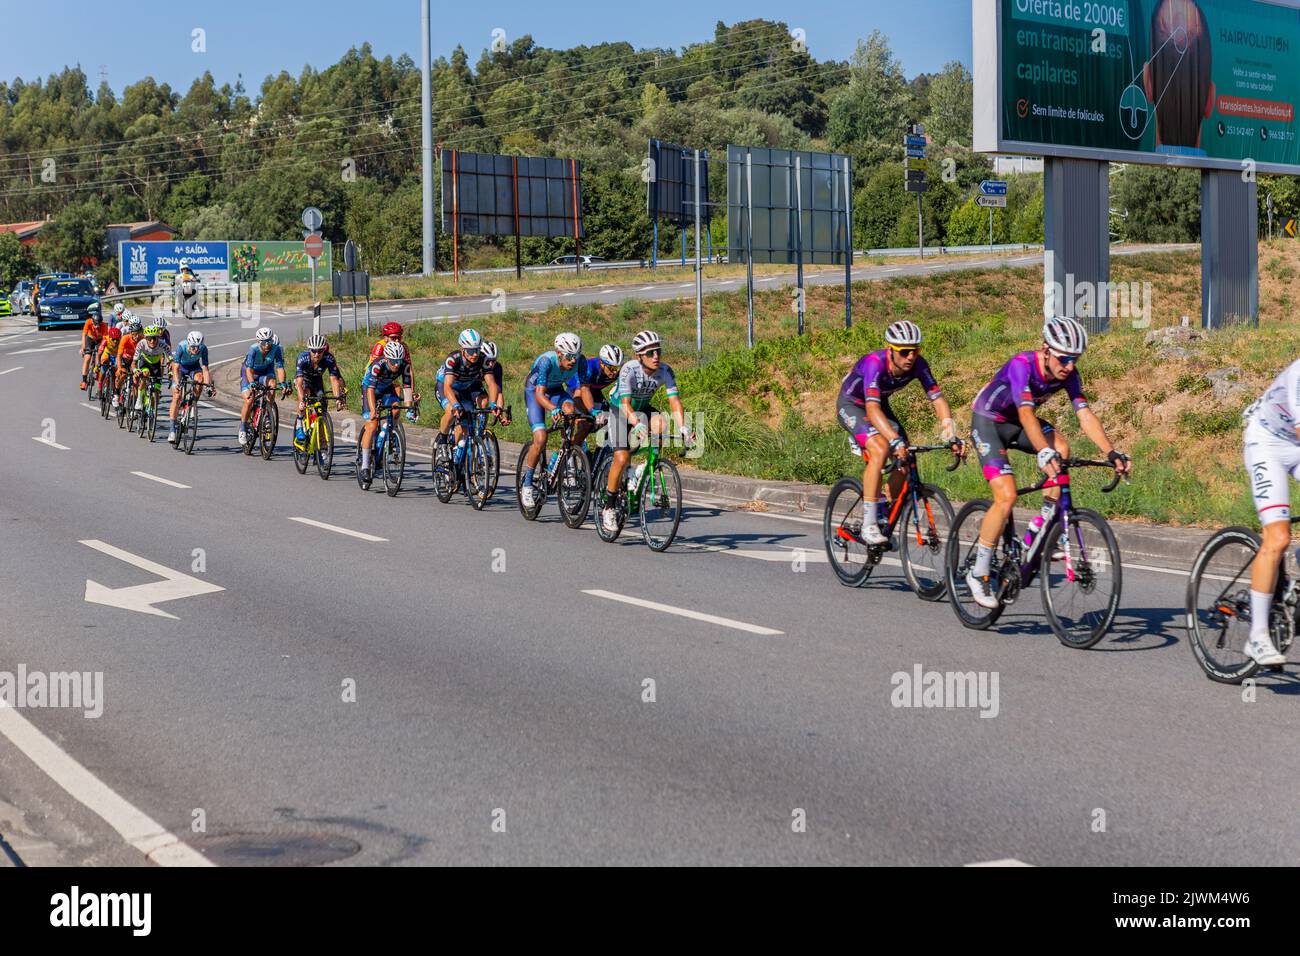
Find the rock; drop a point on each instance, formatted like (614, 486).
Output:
(1174, 352)
(1171, 334)
(1226, 383)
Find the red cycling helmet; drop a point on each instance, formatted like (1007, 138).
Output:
(114, 333)
(392, 328)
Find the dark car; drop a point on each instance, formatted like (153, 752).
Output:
(65, 302)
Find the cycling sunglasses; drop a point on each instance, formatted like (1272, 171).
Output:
(906, 352)
(651, 353)
(1063, 359)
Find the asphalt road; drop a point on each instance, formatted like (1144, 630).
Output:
(491, 687)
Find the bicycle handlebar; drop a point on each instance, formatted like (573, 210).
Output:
(946, 446)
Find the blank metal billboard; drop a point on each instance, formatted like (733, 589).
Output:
(492, 195)
(670, 195)
(825, 202)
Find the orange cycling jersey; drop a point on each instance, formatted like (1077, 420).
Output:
(95, 331)
(126, 350)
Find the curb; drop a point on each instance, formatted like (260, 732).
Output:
(1148, 546)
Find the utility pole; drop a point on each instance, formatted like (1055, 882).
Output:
(426, 139)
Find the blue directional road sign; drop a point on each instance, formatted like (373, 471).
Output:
(993, 187)
(915, 142)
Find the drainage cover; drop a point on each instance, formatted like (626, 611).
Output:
(275, 849)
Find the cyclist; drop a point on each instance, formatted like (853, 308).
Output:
(107, 355)
(392, 332)
(150, 360)
(166, 332)
(380, 386)
(1272, 452)
(1005, 416)
(492, 365)
(589, 382)
(263, 365)
(463, 382)
(314, 363)
(545, 396)
(864, 412)
(126, 351)
(92, 337)
(189, 361)
(633, 418)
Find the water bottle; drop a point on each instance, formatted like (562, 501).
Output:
(551, 466)
(1035, 526)
(298, 431)
(379, 441)
(460, 451)
(636, 475)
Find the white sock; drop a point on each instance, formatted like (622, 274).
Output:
(870, 511)
(1260, 605)
(983, 560)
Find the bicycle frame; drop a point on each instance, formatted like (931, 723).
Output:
(911, 485)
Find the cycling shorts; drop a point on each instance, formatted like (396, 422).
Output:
(537, 414)
(1269, 462)
(465, 397)
(619, 430)
(993, 439)
(385, 395)
(268, 379)
(853, 419)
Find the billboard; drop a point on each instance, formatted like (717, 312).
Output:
(492, 195)
(670, 194)
(1202, 83)
(145, 263)
(253, 261)
(822, 192)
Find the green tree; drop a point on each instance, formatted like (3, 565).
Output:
(951, 96)
(218, 222)
(16, 261)
(871, 115)
(1163, 203)
(75, 239)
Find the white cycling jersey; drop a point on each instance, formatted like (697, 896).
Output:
(1277, 411)
(636, 384)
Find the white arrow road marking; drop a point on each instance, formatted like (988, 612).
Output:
(683, 612)
(142, 832)
(142, 597)
(161, 481)
(8, 370)
(335, 528)
(52, 444)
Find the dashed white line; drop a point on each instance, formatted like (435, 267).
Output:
(154, 840)
(1006, 862)
(14, 369)
(52, 444)
(567, 294)
(161, 481)
(335, 528)
(683, 612)
(530, 297)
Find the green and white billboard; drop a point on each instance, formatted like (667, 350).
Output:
(1204, 83)
(275, 262)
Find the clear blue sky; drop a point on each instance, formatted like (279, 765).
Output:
(134, 38)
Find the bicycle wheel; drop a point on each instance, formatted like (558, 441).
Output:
(444, 471)
(924, 542)
(1081, 579)
(394, 460)
(660, 504)
(191, 426)
(618, 502)
(961, 557)
(324, 445)
(842, 533)
(92, 381)
(153, 416)
(479, 469)
(252, 428)
(494, 450)
(126, 411)
(105, 397)
(573, 491)
(302, 456)
(270, 429)
(539, 484)
(1218, 605)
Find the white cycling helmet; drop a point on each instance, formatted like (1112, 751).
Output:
(118, 309)
(490, 351)
(611, 355)
(133, 324)
(645, 340)
(264, 334)
(194, 339)
(470, 340)
(903, 334)
(183, 264)
(317, 343)
(566, 343)
(394, 351)
(1066, 335)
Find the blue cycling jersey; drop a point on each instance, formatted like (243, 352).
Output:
(380, 377)
(547, 373)
(591, 375)
(314, 376)
(190, 362)
(264, 364)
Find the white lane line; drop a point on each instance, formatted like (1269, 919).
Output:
(161, 481)
(52, 444)
(217, 345)
(817, 556)
(648, 288)
(444, 302)
(529, 297)
(335, 528)
(567, 294)
(481, 301)
(152, 839)
(683, 612)
(1010, 861)
(93, 408)
(14, 369)
(236, 358)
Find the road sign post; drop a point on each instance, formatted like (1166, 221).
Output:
(915, 167)
(993, 195)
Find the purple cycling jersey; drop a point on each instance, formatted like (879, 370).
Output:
(870, 380)
(1019, 384)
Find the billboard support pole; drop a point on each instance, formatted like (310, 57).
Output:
(426, 140)
(1076, 240)
(654, 248)
(1229, 249)
(699, 267)
(577, 241)
(749, 243)
(455, 219)
(848, 245)
(519, 268)
(798, 236)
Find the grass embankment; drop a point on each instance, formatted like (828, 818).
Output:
(769, 412)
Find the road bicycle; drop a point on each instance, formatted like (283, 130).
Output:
(470, 464)
(567, 474)
(1218, 605)
(187, 415)
(1074, 555)
(263, 419)
(146, 416)
(126, 403)
(652, 490)
(107, 389)
(318, 437)
(390, 450)
(921, 513)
